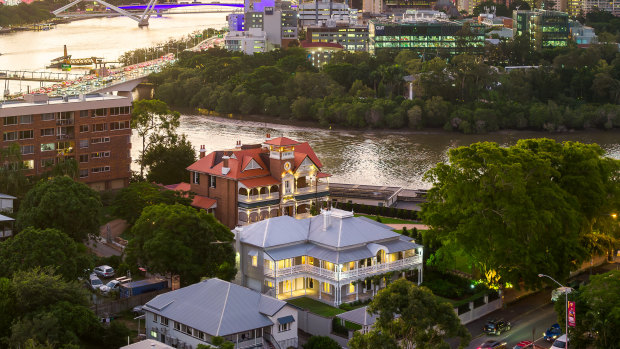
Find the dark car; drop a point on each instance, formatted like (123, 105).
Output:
(491, 344)
(552, 333)
(496, 327)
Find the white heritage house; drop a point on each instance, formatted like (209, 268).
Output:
(333, 257)
(195, 314)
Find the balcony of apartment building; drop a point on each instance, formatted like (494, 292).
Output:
(65, 132)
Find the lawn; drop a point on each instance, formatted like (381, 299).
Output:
(316, 307)
(388, 220)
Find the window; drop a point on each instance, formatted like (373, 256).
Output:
(154, 334)
(196, 178)
(163, 321)
(100, 140)
(254, 261)
(10, 136)
(48, 116)
(326, 287)
(83, 113)
(84, 158)
(268, 283)
(10, 120)
(100, 112)
(25, 119)
(120, 111)
(27, 149)
(84, 128)
(100, 169)
(284, 327)
(29, 164)
(119, 125)
(100, 154)
(47, 132)
(48, 146)
(154, 317)
(287, 187)
(100, 127)
(47, 162)
(212, 181)
(28, 134)
(351, 288)
(177, 326)
(83, 143)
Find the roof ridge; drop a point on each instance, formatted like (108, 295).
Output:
(339, 233)
(265, 234)
(217, 333)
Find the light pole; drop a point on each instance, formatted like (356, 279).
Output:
(565, 294)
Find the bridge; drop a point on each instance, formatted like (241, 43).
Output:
(140, 13)
(25, 75)
(123, 79)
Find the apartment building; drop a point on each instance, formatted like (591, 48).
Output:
(333, 257)
(256, 181)
(93, 129)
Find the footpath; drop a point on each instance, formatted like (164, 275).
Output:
(104, 246)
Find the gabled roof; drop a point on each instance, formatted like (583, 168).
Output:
(360, 316)
(281, 141)
(216, 307)
(307, 149)
(348, 231)
(204, 202)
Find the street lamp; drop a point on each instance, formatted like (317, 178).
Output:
(565, 294)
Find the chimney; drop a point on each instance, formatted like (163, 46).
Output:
(225, 168)
(238, 146)
(202, 151)
(268, 136)
(327, 221)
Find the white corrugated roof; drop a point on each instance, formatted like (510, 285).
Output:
(216, 307)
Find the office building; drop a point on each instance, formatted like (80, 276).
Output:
(92, 129)
(546, 29)
(319, 11)
(350, 37)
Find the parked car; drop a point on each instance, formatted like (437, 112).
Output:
(104, 271)
(137, 310)
(524, 345)
(115, 284)
(94, 282)
(496, 327)
(560, 343)
(491, 344)
(552, 333)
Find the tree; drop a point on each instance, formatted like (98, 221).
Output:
(43, 248)
(414, 317)
(522, 210)
(167, 163)
(597, 307)
(129, 202)
(321, 342)
(62, 203)
(180, 240)
(13, 181)
(155, 123)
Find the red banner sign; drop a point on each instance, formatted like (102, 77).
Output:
(571, 314)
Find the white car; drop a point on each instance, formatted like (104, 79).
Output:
(104, 271)
(114, 285)
(559, 343)
(94, 282)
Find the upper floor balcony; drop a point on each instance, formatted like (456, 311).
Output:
(311, 189)
(248, 199)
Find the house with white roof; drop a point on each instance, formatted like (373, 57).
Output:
(6, 203)
(195, 314)
(333, 257)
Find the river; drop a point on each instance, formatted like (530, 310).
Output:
(388, 158)
(365, 157)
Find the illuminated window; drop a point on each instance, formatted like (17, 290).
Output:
(154, 334)
(254, 261)
(326, 287)
(351, 288)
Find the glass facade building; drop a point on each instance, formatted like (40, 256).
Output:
(440, 37)
(546, 29)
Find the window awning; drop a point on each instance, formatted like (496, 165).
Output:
(286, 320)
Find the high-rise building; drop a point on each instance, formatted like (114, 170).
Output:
(351, 37)
(319, 11)
(93, 129)
(265, 25)
(426, 32)
(546, 29)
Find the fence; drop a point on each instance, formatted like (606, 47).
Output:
(317, 325)
(477, 309)
(120, 305)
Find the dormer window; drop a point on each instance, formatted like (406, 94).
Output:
(253, 165)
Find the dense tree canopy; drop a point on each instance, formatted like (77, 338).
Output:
(181, 240)
(43, 248)
(519, 211)
(167, 163)
(129, 202)
(410, 316)
(321, 342)
(62, 203)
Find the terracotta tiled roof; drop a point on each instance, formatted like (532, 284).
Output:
(204, 202)
(323, 175)
(179, 186)
(260, 182)
(307, 149)
(281, 141)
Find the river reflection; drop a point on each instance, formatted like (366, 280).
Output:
(388, 158)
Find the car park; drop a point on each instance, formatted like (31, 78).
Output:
(552, 333)
(104, 271)
(492, 344)
(94, 282)
(524, 345)
(496, 327)
(560, 343)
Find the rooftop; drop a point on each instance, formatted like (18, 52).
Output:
(37, 100)
(216, 307)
